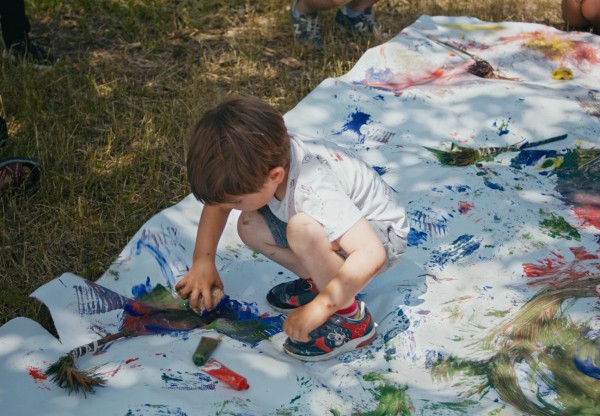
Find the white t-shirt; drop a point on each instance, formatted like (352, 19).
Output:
(333, 186)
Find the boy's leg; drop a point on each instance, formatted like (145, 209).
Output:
(571, 12)
(312, 248)
(255, 233)
(13, 20)
(591, 11)
(349, 329)
(314, 6)
(265, 233)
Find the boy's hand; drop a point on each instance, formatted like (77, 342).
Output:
(198, 282)
(301, 321)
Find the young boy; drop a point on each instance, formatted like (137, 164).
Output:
(310, 206)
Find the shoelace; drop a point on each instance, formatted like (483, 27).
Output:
(313, 26)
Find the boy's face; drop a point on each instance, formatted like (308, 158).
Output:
(256, 200)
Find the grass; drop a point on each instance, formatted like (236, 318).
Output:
(109, 122)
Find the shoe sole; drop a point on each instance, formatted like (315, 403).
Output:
(350, 346)
(278, 309)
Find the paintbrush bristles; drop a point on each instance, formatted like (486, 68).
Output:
(66, 375)
(464, 156)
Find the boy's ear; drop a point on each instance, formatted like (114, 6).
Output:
(277, 174)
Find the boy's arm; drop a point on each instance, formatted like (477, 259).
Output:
(366, 257)
(203, 274)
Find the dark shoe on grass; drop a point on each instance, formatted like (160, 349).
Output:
(30, 52)
(362, 25)
(19, 174)
(306, 29)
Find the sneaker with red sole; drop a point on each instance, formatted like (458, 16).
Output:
(287, 296)
(336, 336)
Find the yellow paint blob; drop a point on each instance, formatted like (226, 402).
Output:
(563, 73)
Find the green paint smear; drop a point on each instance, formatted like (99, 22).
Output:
(334, 412)
(546, 341)
(391, 400)
(374, 377)
(497, 314)
(461, 406)
(557, 226)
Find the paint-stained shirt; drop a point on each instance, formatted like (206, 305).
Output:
(336, 188)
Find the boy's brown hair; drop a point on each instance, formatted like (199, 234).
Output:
(233, 147)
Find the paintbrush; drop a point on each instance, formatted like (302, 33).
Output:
(480, 68)
(465, 156)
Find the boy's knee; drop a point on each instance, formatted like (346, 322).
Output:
(247, 226)
(302, 229)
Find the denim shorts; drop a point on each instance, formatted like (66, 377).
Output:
(395, 246)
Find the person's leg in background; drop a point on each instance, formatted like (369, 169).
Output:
(582, 14)
(15, 34)
(355, 17)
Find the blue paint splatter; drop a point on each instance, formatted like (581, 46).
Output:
(93, 299)
(381, 170)
(493, 185)
(423, 222)
(142, 289)
(391, 334)
(586, 365)
(502, 127)
(463, 246)
(354, 123)
(462, 188)
(458, 188)
(530, 157)
(415, 238)
(162, 261)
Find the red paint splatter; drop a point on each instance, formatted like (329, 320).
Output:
(555, 269)
(399, 82)
(544, 267)
(37, 373)
(583, 52)
(589, 215)
(131, 360)
(464, 207)
(582, 254)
